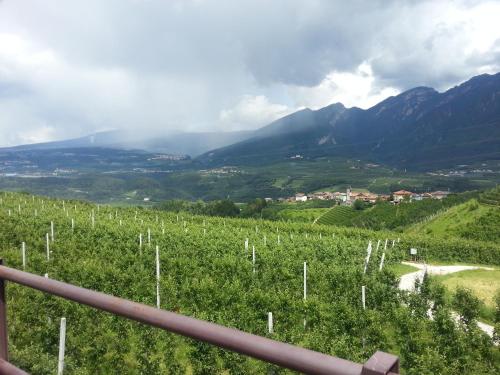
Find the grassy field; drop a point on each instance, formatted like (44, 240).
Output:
(483, 283)
(468, 220)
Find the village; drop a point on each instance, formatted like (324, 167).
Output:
(349, 197)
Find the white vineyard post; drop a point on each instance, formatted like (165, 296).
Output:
(62, 346)
(393, 242)
(52, 231)
(381, 262)
(378, 245)
(10, 213)
(253, 258)
(157, 276)
(270, 327)
(72, 225)
(140, 243)
(363, 297)
(385, 245)
(246, 245)
(149, 237)
(278, 239)
(23, 251)
(368, 254)
(48, 245)
(305, 281)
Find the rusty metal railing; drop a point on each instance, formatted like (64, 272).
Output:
(279, 353)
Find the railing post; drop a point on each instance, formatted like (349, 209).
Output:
(4, 341)
(381, 364)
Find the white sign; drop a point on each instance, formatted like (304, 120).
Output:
(413, 251)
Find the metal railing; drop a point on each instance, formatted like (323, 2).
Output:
(279, 353)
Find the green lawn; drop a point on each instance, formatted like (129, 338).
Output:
(483, 283)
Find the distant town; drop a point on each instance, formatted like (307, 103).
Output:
(349, 197)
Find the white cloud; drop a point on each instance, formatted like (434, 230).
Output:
(251, 112)
(351, 89)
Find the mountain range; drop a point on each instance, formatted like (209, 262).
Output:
(417, 129)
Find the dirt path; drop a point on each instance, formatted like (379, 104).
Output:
(407, 282)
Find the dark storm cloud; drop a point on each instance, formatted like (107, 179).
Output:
(81, 66)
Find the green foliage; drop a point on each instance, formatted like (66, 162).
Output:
(223, 208)
(467, 305)
(206, 273)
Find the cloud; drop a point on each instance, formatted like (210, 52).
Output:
(156, 66)
(351, 89)
(251, 112)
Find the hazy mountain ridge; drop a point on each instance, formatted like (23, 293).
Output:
(180, 143)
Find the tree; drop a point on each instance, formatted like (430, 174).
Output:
(224, 207)
(358, 205)
(467, 305)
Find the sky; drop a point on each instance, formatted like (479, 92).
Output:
(72, 68)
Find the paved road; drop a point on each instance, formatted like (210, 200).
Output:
(407, 282)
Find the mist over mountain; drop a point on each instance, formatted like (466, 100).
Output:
(179, 143)
(420, 128)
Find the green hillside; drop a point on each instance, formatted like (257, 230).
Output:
(471, 220)
(207, 273)
(338, 215)
(386, 216)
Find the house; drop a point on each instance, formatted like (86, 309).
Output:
(440, 194)
(426, 196)
(268, 200)
(341, 197)
(401, 194)
(321, 195)
(300, 197)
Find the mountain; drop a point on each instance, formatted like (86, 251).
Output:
(419, 128)
(180, 143)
